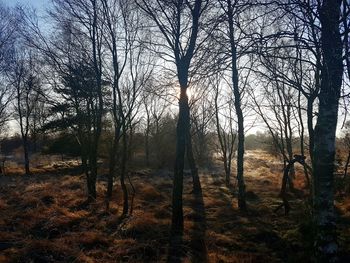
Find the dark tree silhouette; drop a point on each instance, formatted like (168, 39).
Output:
(181, 38)
(324, 148)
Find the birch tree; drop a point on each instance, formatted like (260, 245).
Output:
(324, 148)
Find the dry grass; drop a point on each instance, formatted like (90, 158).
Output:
(42, 218)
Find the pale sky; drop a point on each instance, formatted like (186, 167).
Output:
(40, 5)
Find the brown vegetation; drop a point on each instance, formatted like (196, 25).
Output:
(43, 219)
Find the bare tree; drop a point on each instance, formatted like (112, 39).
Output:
(155, 106)
(278, 108)
(84, 18)
(129, 71)
(292, 32)
(114, 13)
(73, 53)
(202, 114)
(324, 149)
(180, 26)
(9, 26)
(226, 129)
(24, 77)
(233, 11)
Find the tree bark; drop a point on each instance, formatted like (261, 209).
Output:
(226, 149)
(123, 172)
(96, 52)
(112, 165)
(92, 176)
(310, 125)
(287, 167)
(192, 163)
(148, 124)
(182, 131)
(302, 148)
(324, 145)
(346, 165)
(26, 155)
(240, 119)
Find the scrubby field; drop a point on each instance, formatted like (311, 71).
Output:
(42, 218)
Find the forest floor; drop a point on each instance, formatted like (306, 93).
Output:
(42, 218)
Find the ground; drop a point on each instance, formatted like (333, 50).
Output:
(42, 218)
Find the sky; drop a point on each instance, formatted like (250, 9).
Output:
(40, 5)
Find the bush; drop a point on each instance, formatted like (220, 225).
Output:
(64, 143)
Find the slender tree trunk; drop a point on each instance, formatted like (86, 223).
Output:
(240, 119)
(24, 130)
(229, 163)
(283, 192)
(302, 148)
(324, 145)
(110, 177)
(35, 140)
(346, 166)
(147, 139)
(192, 163)
(310, 125)
(123, 172)
(112, 164)
(222, 142)
(227, 172)
(130, 141)
(240, 163)
(96, 52)
(182, 131)
(26, 155)
(92, 175)
(85, 165)
(291, 174)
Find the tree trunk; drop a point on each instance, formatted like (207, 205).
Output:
(123, 172)
(346, 166)
(130, 141)
(302, 148)
(283, 193)
(26, 156)
(85, 170)
(291, 174)
(92, 176)
(240, 118)
(223, 144)
(96, 53)
(112, 164)
(240, 163)
(310, 125)
(182, 131)
(110, 179)
(192, 163)
(227, 166)
(324, 145)
(147, 140)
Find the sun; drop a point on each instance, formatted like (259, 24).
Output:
(189, 92)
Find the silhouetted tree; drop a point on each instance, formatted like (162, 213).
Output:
(225, 129)
(324, 148)
(180, 26)
(233, 10)
(24, 75)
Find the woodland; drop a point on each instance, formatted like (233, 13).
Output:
(175, 131)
